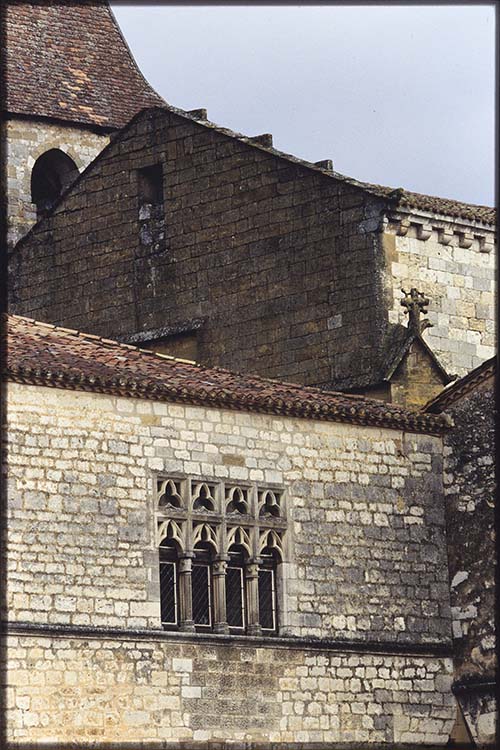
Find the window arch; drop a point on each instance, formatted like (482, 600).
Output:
(52, 173)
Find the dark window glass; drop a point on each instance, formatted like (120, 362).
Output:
(52, 173)
(235, 588)
(267, 591)
(201, 594)
(168, 592)
(169, 598)
(266, 599)
(151, 184)
(235, 598)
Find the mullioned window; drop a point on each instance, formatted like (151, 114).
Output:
(221, 549)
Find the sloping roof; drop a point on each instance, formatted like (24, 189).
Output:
(384, 362)
(43, 354)
(397, 346)
(69, 61)
(436, 205)
(396, 197)
(475, 378)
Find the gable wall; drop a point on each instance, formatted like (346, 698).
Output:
(416, 379)
(281, 262)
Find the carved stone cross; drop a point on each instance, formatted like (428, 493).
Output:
(416, 303)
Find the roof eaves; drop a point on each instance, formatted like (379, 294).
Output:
(461, 387)
(225, 399)
(253, 394)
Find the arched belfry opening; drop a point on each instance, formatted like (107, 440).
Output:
(53, 172)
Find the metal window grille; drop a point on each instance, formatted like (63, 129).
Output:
(202, 604)
(267, 599)
(168, 592)
(235, 597)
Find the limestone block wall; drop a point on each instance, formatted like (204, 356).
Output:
(453, 263)
(366, 522)
(140, 688)
(365, 563)
(25, 141)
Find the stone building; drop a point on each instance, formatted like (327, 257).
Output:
(470, 489)
(255, 561)
(70, 82)
(195, 240)
(200, 556)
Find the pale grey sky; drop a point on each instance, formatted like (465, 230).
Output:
(398, 95)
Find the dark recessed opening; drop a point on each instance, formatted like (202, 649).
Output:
(151, 184)
(53, 172)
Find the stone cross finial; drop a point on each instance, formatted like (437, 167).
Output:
(416, 303)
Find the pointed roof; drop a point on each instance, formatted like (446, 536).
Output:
(69, 61)
(397, 346)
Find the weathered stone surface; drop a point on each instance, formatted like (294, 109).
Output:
(284, 264)
(460, 283)
(25, 142)
(365, 563)
(124, 690)
(470, 490)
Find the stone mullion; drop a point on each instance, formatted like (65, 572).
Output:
(185, 570)
(219, 593)
(252, 592)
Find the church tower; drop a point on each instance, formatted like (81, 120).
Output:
(70, 82)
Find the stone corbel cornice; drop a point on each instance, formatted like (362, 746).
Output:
(446, 230)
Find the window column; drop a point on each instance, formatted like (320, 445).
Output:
(219, 578)
(252, 587)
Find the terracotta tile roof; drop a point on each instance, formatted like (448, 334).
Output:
(69, 61)
(462, 387)
(42, 354)
(436, 205)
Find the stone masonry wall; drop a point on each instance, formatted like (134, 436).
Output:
(453, 263)
(27, 140)
(470, 489)
(364, 561)
(123, 689)
(284, 266)
(366, 557)
(278, 260)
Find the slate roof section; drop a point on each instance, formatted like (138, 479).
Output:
(43, 354)
(69, 61)
(460, 388)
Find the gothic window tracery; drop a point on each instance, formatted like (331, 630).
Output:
(269, 503)
(221, 549)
